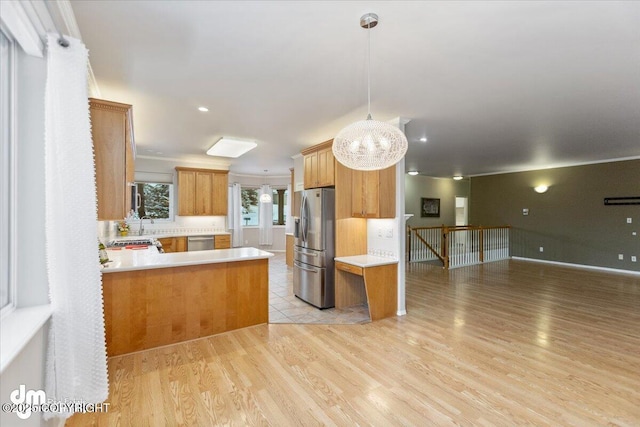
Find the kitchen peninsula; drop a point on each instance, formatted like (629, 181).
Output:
(153, 299)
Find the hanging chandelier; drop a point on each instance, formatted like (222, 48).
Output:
(265, 197)
(369, 144)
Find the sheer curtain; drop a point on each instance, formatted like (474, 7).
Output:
(265, 218)
(289, 221)
(76, 366)
(235, 215)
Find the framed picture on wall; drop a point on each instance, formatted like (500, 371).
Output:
(430, 207)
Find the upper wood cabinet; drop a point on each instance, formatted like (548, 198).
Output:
(319, 166)
(202, 191)
(373, 193)
(114, 153)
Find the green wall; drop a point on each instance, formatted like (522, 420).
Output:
(570, 220)
(445, 189)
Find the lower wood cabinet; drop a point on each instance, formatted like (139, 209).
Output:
(151, 308)
(222, 241)
(174, 244)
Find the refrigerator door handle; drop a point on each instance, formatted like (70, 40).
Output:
(304, 217)
(305, 269)
(304, 253)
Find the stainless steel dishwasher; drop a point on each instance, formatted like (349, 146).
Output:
(199, 243)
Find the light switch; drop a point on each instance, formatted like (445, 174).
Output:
(620, 257)
(525, 211)
(629, 220)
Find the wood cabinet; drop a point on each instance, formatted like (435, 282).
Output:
(373, 193)
(114, 153)
(319, 166)
(222, 241)
(202, 191)
(173, 244)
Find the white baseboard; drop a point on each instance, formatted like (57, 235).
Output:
(588, 267)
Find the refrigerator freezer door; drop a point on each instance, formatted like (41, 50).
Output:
(309, 285)
(310, 256)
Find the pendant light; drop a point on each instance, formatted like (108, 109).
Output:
(265, 197)
(369, 144)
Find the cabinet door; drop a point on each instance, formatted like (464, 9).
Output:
(310, 171)
(167, 244)
(186, 193)
(180, 244)
(371, 194)
(220, 194)
(108, 128)
(204, 193)
(357, 195)
(326, 170)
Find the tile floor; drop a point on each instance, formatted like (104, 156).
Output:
(285, 307)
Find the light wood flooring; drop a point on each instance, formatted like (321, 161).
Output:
(502, 344)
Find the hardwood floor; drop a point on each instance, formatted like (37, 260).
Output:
(507, 343)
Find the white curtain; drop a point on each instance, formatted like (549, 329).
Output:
(76, 367)
(235, 215)
(265, 217)
(289, 221)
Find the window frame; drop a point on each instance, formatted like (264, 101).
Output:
(8, 160)
(172, 199)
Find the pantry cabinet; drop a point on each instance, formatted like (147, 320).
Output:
(114, 154)
(373, 193)
(319, 166)
(202, 191)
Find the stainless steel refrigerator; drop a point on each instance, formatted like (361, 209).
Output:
(314, 250)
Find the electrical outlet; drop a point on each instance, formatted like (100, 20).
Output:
(634, 259)
(541, 249)
(620, 257)
(379, 232)
(389, 233)
(629, 221)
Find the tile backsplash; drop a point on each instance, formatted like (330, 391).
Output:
(181, 224)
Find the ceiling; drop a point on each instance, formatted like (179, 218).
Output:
(494, 86)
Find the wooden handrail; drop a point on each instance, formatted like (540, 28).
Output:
(445, 230)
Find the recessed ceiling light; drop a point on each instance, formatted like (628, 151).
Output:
(229, 147)
(423, 139)
(203, 109)
(413, 173)
(457, 177)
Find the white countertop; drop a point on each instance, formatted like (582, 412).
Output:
(144, 259)
(365, 261)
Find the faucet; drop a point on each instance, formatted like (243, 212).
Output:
(141, 228)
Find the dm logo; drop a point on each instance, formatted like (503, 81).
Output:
(25, 400)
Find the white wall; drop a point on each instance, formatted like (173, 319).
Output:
(251, 236)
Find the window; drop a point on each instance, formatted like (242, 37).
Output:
(251, 206)
(280, 206)
(154, 200)
(250, 209)
(7, 64)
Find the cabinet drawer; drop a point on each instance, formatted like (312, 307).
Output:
(222, 241)
(349, 268)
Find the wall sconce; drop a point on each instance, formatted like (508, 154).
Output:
(541, 189)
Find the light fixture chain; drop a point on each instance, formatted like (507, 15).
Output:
(369, 71)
